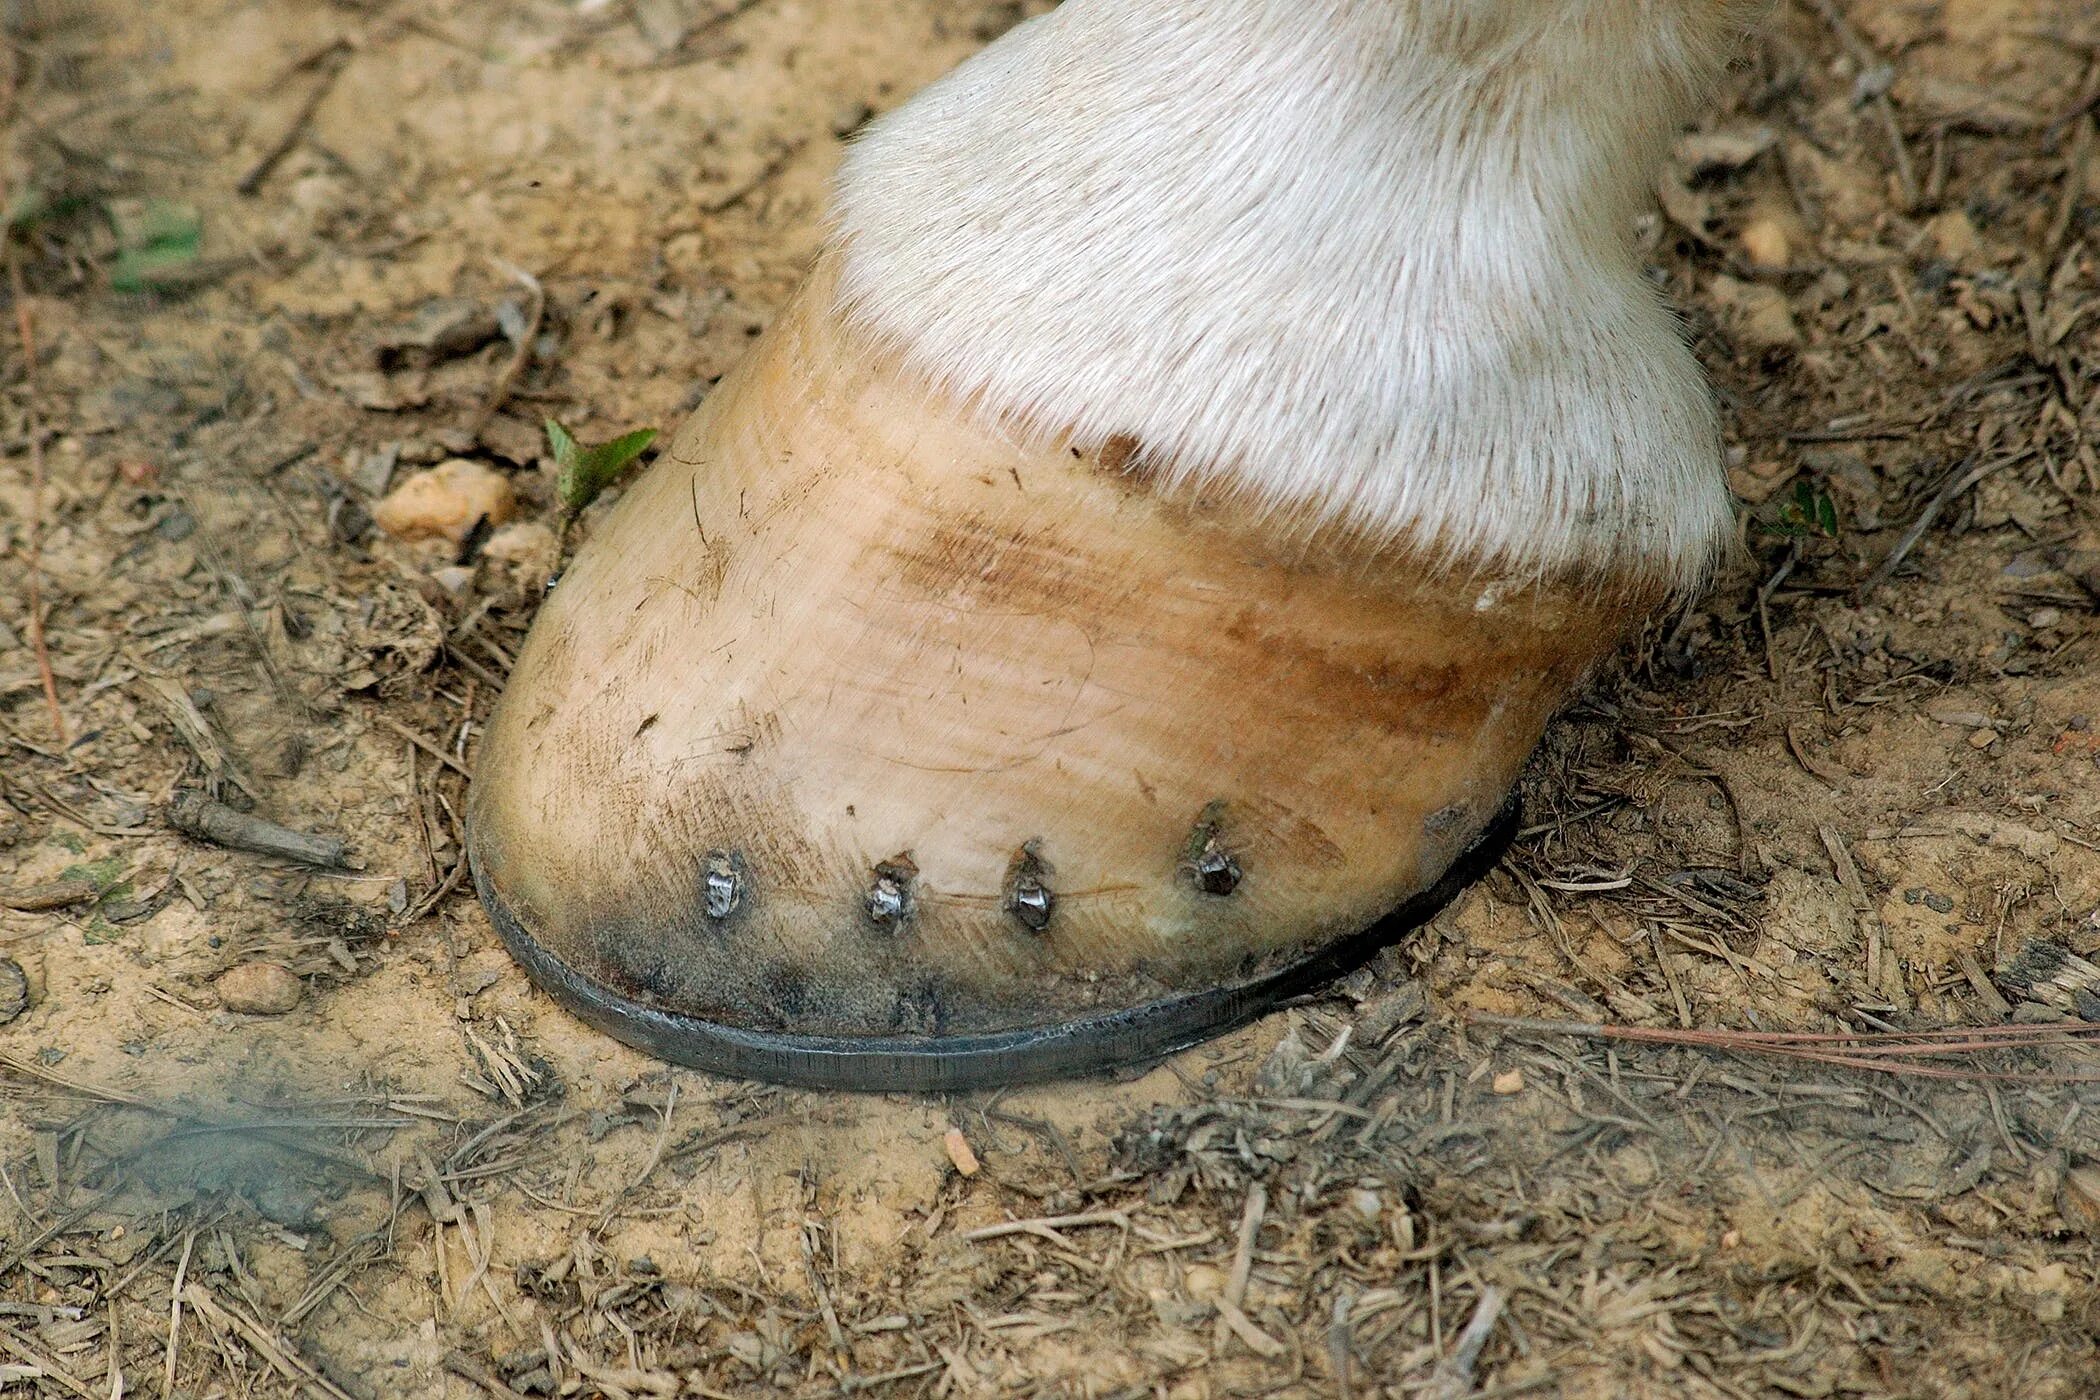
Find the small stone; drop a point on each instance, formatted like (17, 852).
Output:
(457, 580)
(1368, 1203)
(524, 553)
(1203, 1282)
(1954, 237)
(960, 1152)
(849, 117)
(2045, 617)
(1759, 315)
(1510, 1081)
(260, 989)
(445, 501)
(1981, 738)
(1765, 243)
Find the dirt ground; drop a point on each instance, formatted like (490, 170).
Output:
(273, 256)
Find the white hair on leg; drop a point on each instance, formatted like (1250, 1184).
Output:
(1367, 261)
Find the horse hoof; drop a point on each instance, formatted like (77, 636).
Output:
(865, 745)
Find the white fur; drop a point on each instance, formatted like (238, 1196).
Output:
(1369, 260)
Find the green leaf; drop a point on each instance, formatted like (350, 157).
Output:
(157, 242)
(586, 471)
(565, 449)
(1811, 511)
(105, 875)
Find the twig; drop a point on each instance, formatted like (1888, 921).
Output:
(194, 814)
(1896, 1052)
(52, 894)
(330, 60)
(18, 1344)
(425, 745)
(1242, 1326)
(437, 894)
(37, 642)
(182, 1269)
(767, 173)
(465, 1367)
(1941, 499)
(521, 352)
(1243, 1255)
(280, 1356)
(686, 50)
(1048, 1222)
(1454, 1375)
(656, 1156)
(75, 815)
(1764, 600)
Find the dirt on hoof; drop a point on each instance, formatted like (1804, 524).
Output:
(273, 259)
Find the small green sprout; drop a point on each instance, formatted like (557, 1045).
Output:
(586, 471)
(1810, 511)
(111, 885)
(157, 242)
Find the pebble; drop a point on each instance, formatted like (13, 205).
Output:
(1510, 1081)
(1759, 314)
(260, 989)
(1955, 238)
(1765, 243)
(444, 501)
(960, 1153)
(524, 552)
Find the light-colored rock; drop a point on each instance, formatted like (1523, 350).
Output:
(445, 501)
(260, 989)
(1954, 237)
(1766, 244)
(523, 555)
(1759, 315)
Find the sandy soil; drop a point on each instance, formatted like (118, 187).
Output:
(1855, 790)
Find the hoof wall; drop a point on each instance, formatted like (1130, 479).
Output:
(1088, 1045)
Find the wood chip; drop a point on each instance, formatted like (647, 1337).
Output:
(959, 1152)
(194, 814)
(53, 894)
